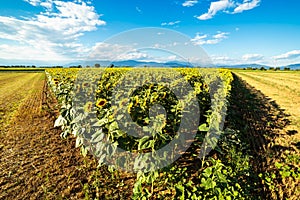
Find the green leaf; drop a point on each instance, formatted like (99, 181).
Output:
(285, 174)
(207, 172)
(180, 191)
(208, 183)
(144, 143)
(203, 127)
(278, 165)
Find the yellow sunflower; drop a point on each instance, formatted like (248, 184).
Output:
(85, 84)
(88, 107)
(101, 102)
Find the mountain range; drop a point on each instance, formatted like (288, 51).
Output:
(135, 63)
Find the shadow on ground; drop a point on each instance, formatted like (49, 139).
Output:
(259, 120)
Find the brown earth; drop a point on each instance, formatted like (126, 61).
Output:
(35, 163)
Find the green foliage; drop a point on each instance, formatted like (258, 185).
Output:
(214, 179)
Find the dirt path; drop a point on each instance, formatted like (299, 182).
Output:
(35, 163)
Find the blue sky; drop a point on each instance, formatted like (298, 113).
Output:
(230, 31)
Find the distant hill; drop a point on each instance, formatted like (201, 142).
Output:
(131, 63)
(294, 66)
(258, 66)
(241, 66)
(135, 63)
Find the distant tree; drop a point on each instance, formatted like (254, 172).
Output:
(287, 69)
(79, 66)
(277, 69)
(262, 69)
(112, 66)
(97, 65)
(271, 68)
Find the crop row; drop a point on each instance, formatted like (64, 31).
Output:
(143, 120)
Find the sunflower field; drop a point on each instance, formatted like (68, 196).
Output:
(150, 121)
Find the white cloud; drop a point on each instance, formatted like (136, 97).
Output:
(107, 51)
(246, 5)
(199, 39)
(215, 7)
(222, 60)
(228, 6)
(48, 4)
(117, 52)
(289, 55)
(166, 46)
(205, 39)
(175, 44)
(33, 2)
(159, 46)
(282, 60)
(170, 23)
(135, 55)
(53, 35)
(29, 53)
(246, 59)
(173, 57)
(221, 35)
(252, 57)
(189, 3)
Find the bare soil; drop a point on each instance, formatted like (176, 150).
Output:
(35, 162)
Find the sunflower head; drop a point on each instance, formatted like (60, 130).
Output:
(85, 84)
(88, 107)
(101, 102)
(123, 103)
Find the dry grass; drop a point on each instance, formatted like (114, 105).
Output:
(14, 89)
(283, 87)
